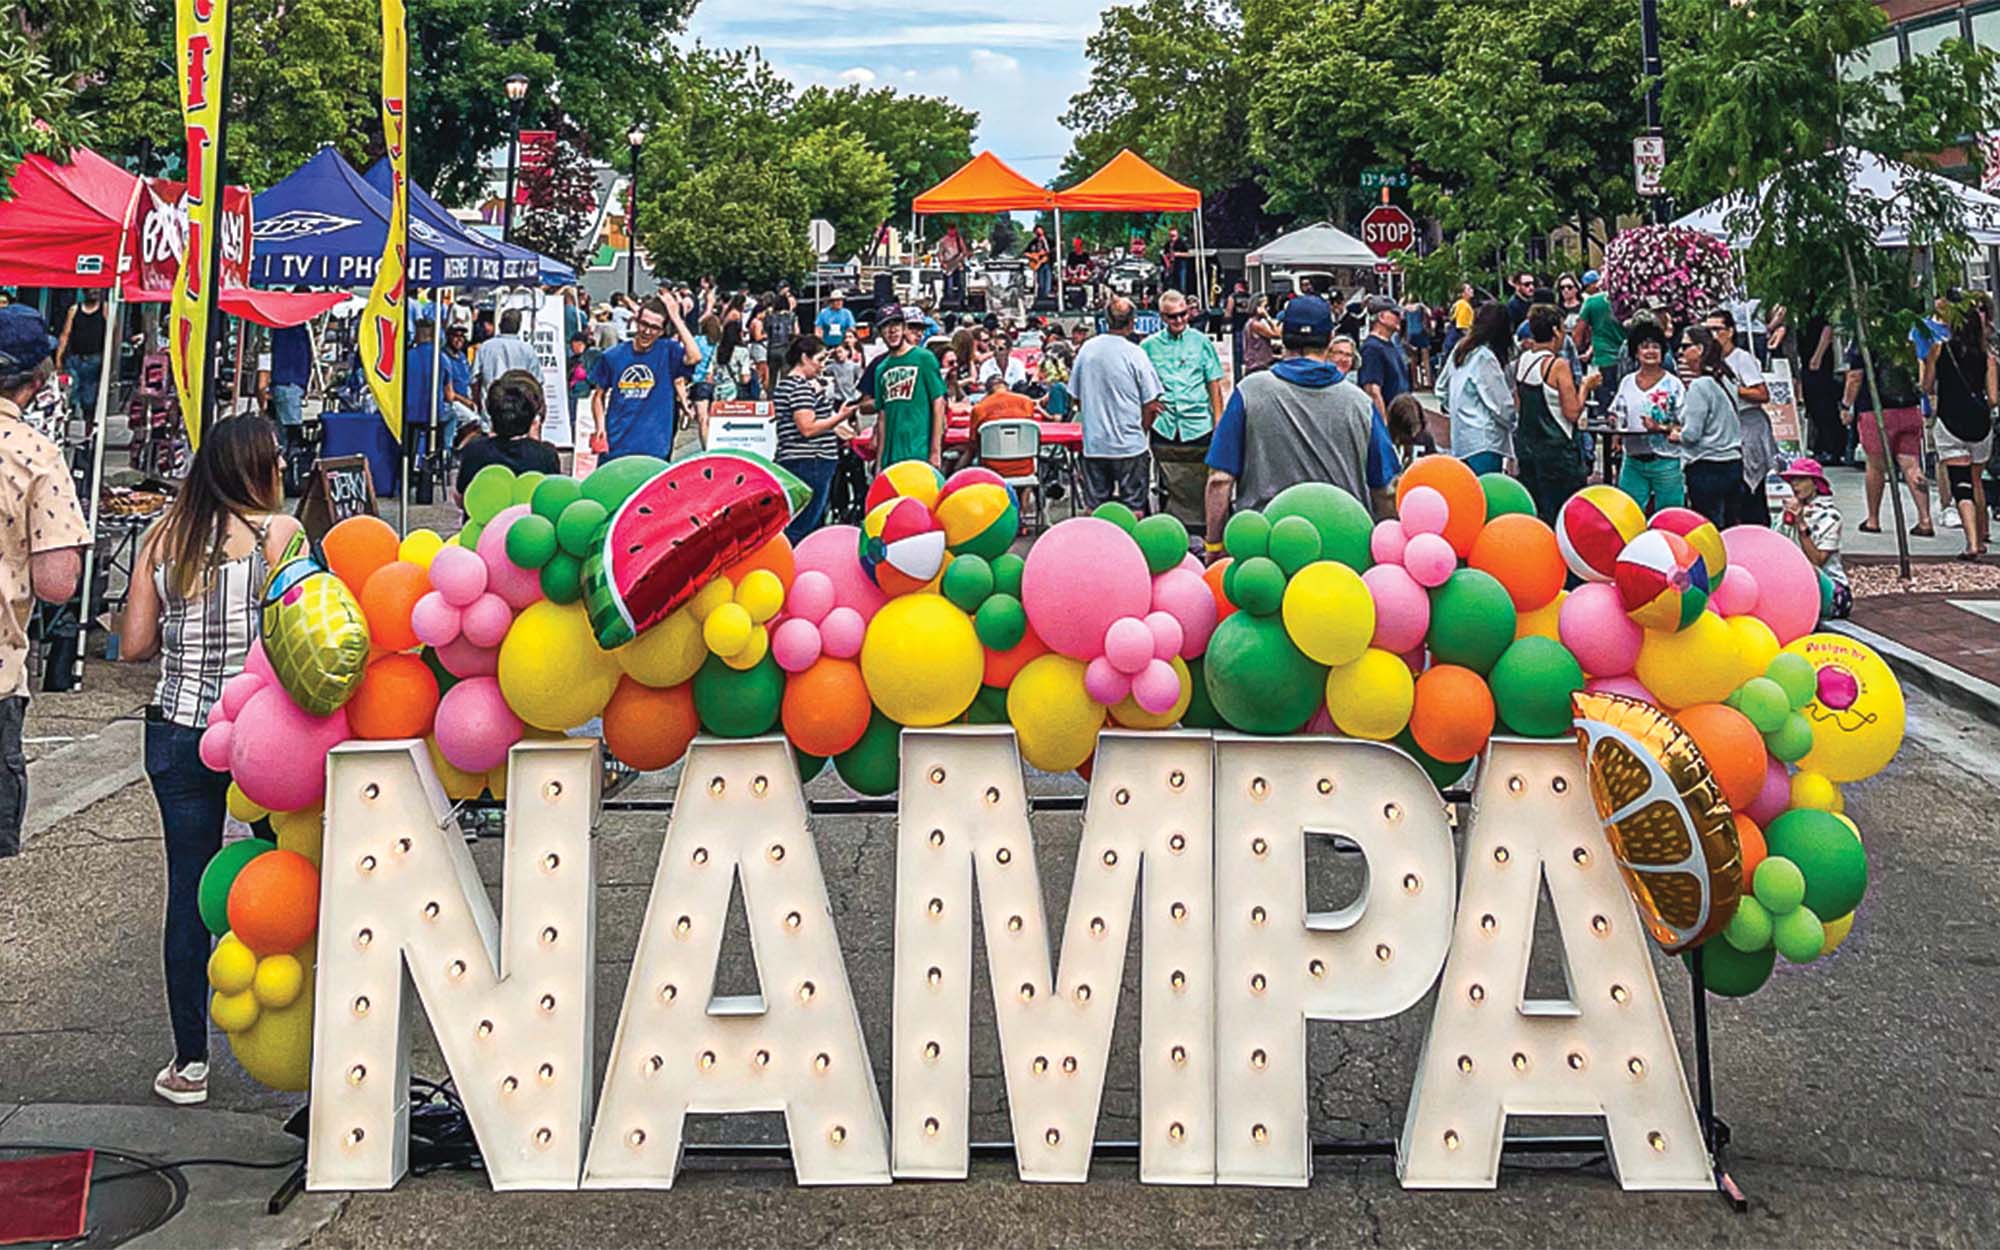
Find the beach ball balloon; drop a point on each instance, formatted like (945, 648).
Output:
(1662, 581)
(1700, 533)
(902, 545)
(1593, 527)
(979, 513)
(906, 479)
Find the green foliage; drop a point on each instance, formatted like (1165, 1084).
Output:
(921, 139)
(742, 221)
(35, 112)
(843, 180)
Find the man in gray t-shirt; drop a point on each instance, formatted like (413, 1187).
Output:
(1117, 394)
(501, 355)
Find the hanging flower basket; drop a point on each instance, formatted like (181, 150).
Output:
(1683, 271)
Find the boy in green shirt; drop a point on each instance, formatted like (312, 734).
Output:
(909, 393)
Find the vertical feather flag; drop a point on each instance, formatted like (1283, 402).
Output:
(383, 322)
(201, 30)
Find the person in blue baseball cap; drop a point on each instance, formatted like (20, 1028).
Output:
(42, 534)
(1301, 420)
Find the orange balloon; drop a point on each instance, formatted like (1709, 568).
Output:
(1520, 552)
(1224, 609)
(1751, 839)
(650, 727)
(397, 698)
(1466, 501)
(358, 546)
(274, 909)
(775, 555)
(1453, 714)
(1002, 665)
(1731, 745)
(388, 600)
(826, 707)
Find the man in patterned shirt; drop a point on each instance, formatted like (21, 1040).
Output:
(42, 533)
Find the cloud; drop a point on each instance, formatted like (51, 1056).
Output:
(985, 32)
(859, 74)
(988, 63)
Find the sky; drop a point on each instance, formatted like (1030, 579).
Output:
(1016, 64)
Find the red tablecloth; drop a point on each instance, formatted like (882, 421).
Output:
(957, 433)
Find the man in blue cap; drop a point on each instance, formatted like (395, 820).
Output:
(42, 533)
(1301, 420)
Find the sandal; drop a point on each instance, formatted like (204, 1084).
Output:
(1869, 527)
(1923, 531)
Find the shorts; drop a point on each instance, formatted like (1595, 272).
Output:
(1906, 432)
(1951, 447)
(702, 392)
(288, 403)
(1123, 479)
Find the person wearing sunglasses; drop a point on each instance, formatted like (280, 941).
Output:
(1190, 371)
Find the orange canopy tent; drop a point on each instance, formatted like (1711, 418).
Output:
(984, 184)
(1128, 183)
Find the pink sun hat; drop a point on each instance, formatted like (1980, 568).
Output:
(1808, 468)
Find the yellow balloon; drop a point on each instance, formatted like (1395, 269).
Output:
(243, 807)
(1698, 664)
(753, 651)
(761, 595)
(1542, 621)
(1756, 645)
(1813, 790)
(278, 981)
(458, 784)
(300, 831)
(1837, 930)
(278, 1051)
(921, 660)
(233, 1013)
(1857, 713)
(711, 597)
(667, 654)
(727, 629)
(1329, 613)
(552, 672)
(1054, 717)
(1130, 715)
(1371, 697)
(232, 966)
(420, 547)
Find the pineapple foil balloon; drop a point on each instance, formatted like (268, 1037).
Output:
(314, 632)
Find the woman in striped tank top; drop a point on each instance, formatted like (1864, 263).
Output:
(196, 589)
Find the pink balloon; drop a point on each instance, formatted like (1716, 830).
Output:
(1183, 595)
(214, 747)
(1167, 634)
(475, 726)
(1627, 685)
(836, 552)
(811, 596)
(1191, 564)
(277, 751)
(1128, 644)
(1592, 623)
(1387, 542)
(518, 586)
(1414, 660)
(255, 661)
(1322, 722)
(1424, 511)
(235, 693)
(458, 574)
(1774, 797)
(1082, 575)
(1402, 609)
(1429, 558)
(1787, 583)
(486, 622)
(434, 620)
(1157, 687)
(795, 644)
(1737, 595)
(462, 659)
(840, 634)
(1104, 683)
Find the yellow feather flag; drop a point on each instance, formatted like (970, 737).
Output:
(383, 322)
(201, 31)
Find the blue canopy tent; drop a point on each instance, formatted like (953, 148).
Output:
(324, 226)
(515, 264)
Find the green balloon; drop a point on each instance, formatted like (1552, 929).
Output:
(531, 540)
(1799, 935)
(212, 894)
(562, 578)
(1825, 594)
(1164, 541)
(1532, 683)
(1000, 622)
(872, 766)
(1294, 543)
(1733, 973)
(489, 492)
(1472, 621)
(1504, 495)
(734, 704)
(468, 537)
(1007, 571)
(1828, 855)
(446, 679)
(1247, 534)
(989, 707)
(967, 581)
(1795, 674)
(1750, 928)
(1778, 884)
(1258, 680)
(613, 482)
(1257, 585)
(525, 484)
(580, 528)
(553, 494)
(1764, 702)
(1118, 514)
(810, 766)
(1792, 740)
(1442, 774)
(1201, 713)
(1342, 520)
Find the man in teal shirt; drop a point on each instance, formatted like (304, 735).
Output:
(1191, 374)
(1599, 333)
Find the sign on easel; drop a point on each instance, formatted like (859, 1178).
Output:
(742, 425)
(340, 487)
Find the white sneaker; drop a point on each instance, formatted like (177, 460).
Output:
(1950, 520)
(183, 1086)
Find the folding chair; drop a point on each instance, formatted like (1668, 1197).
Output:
(1016, 440)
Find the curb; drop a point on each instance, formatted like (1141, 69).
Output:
(1957, 687)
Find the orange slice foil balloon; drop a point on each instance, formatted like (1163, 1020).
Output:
(1663, 810)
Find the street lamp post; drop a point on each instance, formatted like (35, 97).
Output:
(636, 137)
(517, 94)
(1650, 69)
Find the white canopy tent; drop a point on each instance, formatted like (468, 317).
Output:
(1320, 245)
(1881, 180)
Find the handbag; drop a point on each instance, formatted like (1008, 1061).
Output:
(1963, 408)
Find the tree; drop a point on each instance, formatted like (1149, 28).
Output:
(742, 222)
(560, 202)
(844, 181)
(46, 50)
(922, 139)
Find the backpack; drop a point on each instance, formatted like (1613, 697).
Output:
(1961, 404)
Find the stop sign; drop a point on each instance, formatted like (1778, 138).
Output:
(1388, 229)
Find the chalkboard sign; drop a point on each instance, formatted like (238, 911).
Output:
(340, 487)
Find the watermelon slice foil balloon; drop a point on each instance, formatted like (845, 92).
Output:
(676, 532)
